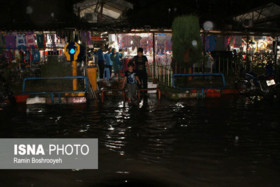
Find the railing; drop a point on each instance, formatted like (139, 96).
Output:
(163, 73)
(53, 93)
(200, 75)
(224, 63)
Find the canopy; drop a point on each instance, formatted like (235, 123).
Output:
(108, 10)
(261, 16)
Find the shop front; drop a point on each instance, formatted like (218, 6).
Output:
(156, 46)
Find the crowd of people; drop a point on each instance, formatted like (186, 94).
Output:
(111, 63)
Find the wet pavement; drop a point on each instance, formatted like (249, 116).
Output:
(215, 142)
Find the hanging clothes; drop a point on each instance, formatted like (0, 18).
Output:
(22, 55)
(17, 56)
(232, 41)
(40, 41)
(35, 55)
(238, 41)
(168, 43)
(53, 43)
(144, 43)
(20, 41)
(10, 41)
(8, 55)
(126, 41)
(86, 38)
(30, 40)
(89, 38)
(227, 41)
(210, 43)
(27, 56)
(161, 43)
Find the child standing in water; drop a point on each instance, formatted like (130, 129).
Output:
(131, 79)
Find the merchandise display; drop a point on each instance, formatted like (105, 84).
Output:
(130, 42)
(29, 47)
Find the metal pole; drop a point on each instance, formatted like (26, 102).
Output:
(162, 73)
(75, 82)
(168, 77)
(247, 47)
(275, 57)
(204, 50)
(86, 59)
(154, 54)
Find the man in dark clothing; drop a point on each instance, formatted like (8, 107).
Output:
(141, 63)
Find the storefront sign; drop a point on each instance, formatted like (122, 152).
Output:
(53, 53)
(96, 38)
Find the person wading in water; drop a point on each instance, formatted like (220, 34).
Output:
(141, 63)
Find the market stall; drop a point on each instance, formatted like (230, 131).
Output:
(161, 53)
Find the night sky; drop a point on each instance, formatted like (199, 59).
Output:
(154, 13)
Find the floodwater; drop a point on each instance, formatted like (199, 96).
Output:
(215, 142)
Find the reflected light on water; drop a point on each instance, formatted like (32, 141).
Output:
(204, 143)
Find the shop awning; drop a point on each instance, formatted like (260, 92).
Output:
(110, 9)
(264, 15)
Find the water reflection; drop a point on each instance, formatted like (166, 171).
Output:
(204, 142)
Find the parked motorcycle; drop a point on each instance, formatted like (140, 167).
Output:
(253, 85)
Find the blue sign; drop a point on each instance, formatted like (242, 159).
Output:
(72, 51)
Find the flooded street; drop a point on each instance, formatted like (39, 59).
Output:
(222, 142)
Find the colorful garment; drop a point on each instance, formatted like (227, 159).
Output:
(10, 41)
(168, 43)
(53, 43)
(30, 40)
(17, 56)
(131, 77)
(210, 43)
(27, 57)
(108, 60)
(85, 38)
(238, 41)
(22, 55)
(227, 41)
(35, 56)
(125, 41)
(20, 41)
(40, 41)
(8, 55)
